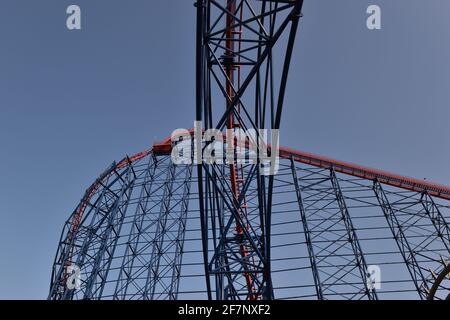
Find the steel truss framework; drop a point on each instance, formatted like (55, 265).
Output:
(140, 236)
(149, 229)
(238, 88)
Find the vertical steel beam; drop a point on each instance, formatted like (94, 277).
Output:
(437, 219)
(159, 237)
(110, 236)
(409, 256)
(199, 97)
(307, 233)
(222, 55)
(179, 241)
(353, 238)
(126, 269)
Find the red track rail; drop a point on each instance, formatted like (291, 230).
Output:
(385, 177)
(236, 172)
(391, 179)
(79, 212)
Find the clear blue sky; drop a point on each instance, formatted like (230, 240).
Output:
(71, 102)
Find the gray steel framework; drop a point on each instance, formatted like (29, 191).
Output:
(150, 229)
(140, 236)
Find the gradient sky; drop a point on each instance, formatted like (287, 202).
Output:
(71, 102)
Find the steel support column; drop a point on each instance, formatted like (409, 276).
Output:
(234, 42)
(307, 233)
(397, 229)
(353, 239)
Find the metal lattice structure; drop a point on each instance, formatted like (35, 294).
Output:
(140, 234)
(151, 229)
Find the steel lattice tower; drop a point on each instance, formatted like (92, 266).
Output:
(148, 228)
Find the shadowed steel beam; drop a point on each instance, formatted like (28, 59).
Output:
(353, 238)
(110, 237)
(307, 233)
(355, 170)
(438, 220)
(160, 234)
(409, 256)
(199, 90)
(179, 242)
(126, 270)
(234, 42)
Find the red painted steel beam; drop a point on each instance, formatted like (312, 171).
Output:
(384, 177)
(395, 180)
